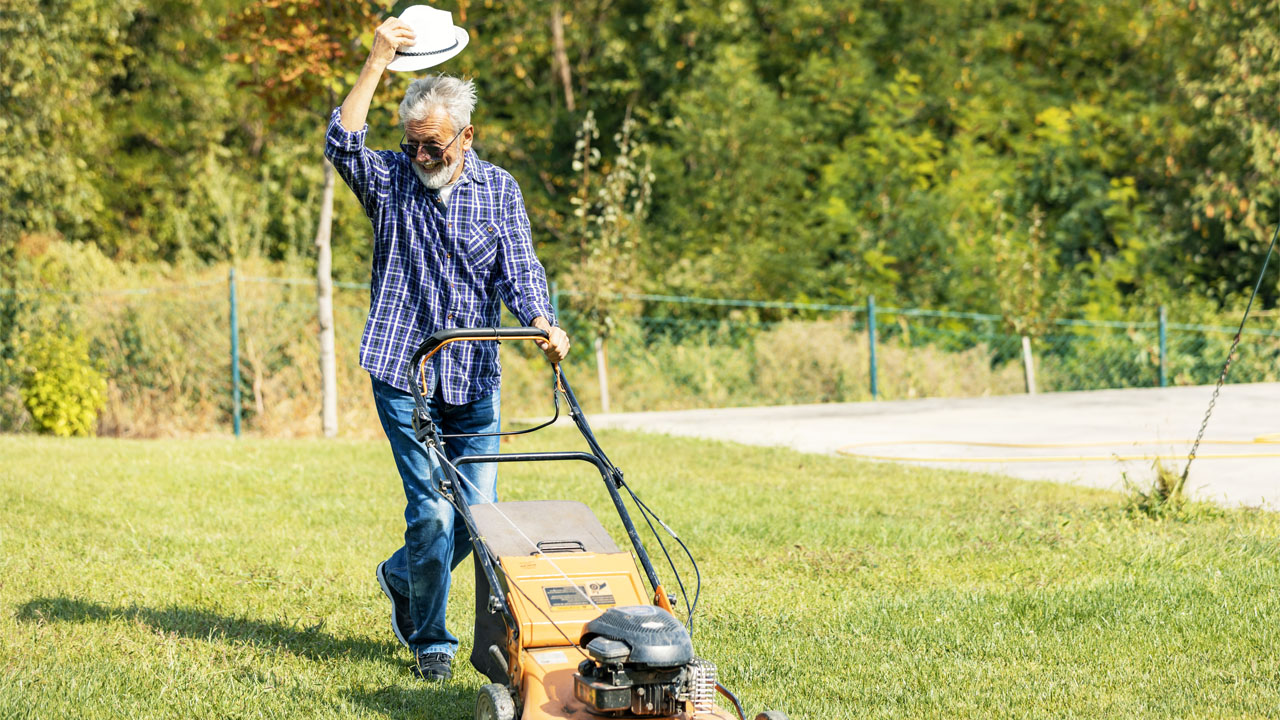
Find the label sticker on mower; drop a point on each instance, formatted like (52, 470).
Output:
(567, 596)
(554, 657)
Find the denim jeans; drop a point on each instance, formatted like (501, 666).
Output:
(435, 536)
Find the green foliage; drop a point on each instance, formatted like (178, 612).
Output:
(61, 387)
(823, 150)
(881, 200)
(1160, 498)
(1236, 191)
(13, 308)
(609, 207)
(57, 62)
(731, 184)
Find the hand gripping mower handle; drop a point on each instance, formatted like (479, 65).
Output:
(423, 429)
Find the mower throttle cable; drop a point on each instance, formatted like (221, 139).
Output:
(510, 522)
(555, 399)
(615, 475)
(510, 580)
(433, 437)
(646, 512)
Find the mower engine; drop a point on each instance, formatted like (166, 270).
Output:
(642, 664)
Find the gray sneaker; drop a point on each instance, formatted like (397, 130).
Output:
(433, 666)
(401, 625)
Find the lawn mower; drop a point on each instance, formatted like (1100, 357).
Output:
(565, 627)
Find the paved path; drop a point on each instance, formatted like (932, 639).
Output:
(1140, 422)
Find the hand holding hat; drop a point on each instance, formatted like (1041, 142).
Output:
(420, 38)
(390, 36)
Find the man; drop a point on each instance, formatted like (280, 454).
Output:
(451, 238)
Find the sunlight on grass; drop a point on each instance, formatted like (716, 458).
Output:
(209, 578)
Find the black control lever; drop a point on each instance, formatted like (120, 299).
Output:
(425, 430)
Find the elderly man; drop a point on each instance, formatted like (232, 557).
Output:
(450, 238)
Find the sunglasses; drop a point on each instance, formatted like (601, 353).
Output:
(433, 151)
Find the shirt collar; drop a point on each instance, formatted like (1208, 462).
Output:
(472, 170)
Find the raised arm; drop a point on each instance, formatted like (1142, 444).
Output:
(389, 36)
(364, 171)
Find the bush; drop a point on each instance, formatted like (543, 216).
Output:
(61, 388)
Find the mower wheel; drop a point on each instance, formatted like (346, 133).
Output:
(494, 703)
(772, 715)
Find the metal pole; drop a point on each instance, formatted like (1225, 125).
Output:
(235, 354)
(871, 339)
(1164, 347)
(555, 302)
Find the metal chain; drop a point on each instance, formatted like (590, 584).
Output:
(1213, 401)
(1222, 378)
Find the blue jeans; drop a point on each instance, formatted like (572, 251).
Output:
(435, 536)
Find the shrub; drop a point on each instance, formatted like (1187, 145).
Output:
(61, 388)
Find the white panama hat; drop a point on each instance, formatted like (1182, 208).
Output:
(438, 39)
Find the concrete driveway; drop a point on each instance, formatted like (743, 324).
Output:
(1098, 428)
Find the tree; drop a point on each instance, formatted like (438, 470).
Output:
(610, 206)
(298, 52)
(1237, 187)
(56, 60)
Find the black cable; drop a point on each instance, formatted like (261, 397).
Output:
(656, 536)
(697, 593)
(580, 420)
(511, 581)
(555, 398)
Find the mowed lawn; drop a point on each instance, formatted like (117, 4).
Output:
(219, 579)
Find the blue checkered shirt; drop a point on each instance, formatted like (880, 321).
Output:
(438, 267)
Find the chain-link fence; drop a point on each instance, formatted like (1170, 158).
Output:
(167, 353)
(674, 351)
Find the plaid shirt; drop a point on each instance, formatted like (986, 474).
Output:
(438, 267)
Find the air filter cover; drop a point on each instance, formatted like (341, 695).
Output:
(656, 638)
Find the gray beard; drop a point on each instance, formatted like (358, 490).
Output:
(439, 178)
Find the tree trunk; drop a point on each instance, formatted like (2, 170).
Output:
(602, 374)
(324, 306)
(1028, 366)
(561, 57)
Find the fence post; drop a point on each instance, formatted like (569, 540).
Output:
(1164, 347)
(871, 339)
(1028, 365)
(235, 353)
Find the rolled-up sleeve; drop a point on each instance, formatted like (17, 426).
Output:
(364, 171)
(523, 283)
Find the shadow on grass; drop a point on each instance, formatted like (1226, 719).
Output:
(408, 700)
(200, 624)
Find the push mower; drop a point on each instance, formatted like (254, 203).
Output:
(565, 627)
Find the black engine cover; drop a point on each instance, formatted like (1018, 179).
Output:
(655, 637)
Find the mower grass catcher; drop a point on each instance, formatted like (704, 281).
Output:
(565, 627)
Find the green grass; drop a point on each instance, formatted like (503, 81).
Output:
(216, 579)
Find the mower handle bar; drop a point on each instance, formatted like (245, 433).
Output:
(609, 472)
(533, 457)
(440, 338)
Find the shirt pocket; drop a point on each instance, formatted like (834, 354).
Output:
(482, 245)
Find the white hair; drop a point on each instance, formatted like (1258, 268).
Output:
(425, 95)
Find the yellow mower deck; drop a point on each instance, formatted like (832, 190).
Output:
(542, 599)
(534, 597)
